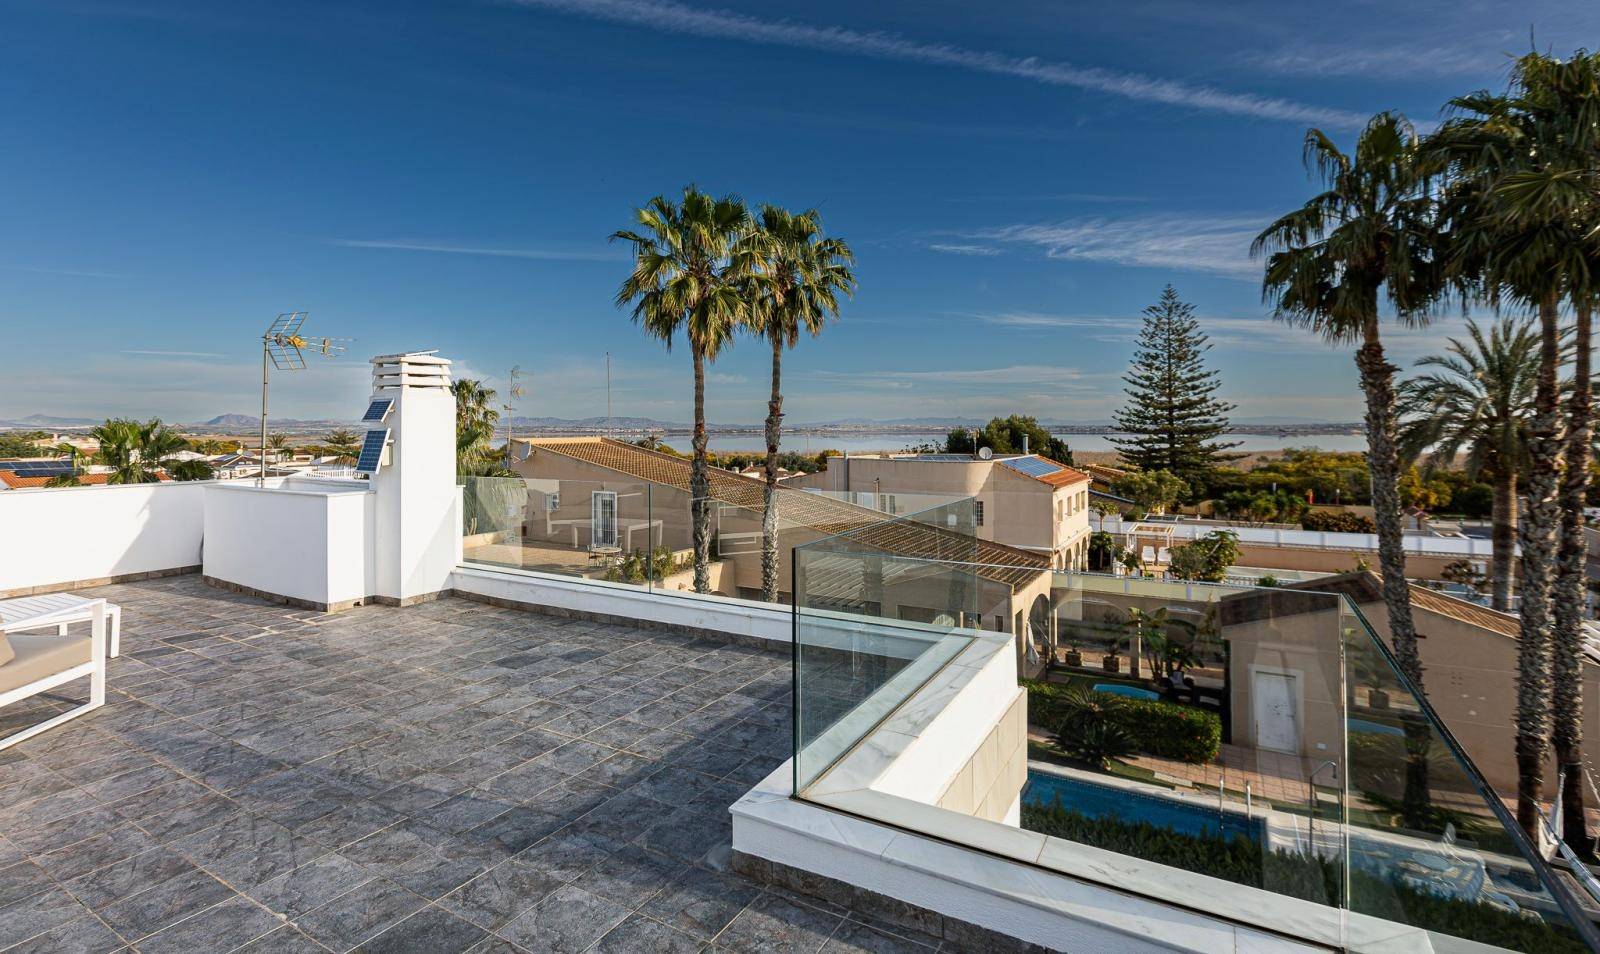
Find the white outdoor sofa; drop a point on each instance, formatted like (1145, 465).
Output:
(56, 611)
(32, 664)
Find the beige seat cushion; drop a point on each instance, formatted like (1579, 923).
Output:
(41, 656)
(6, 652)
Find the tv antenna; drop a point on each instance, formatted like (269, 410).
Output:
(514, 393)
(283, 348)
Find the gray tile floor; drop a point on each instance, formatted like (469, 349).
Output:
(447, 777)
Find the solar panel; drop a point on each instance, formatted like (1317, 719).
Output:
(1032, 466)
(947, 458)
(37, 468)
(372, 451)
(377, 411)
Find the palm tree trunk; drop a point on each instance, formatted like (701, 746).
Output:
(1537, 536)
(769, 501)
(1503, 535)
(700, 481)
(1377, 383)
(1572, 553)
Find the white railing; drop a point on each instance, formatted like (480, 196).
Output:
(1422, 544)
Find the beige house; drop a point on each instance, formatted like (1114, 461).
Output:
(1469, 660)
(587, 500)
(1024, 501)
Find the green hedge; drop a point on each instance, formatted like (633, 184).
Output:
(1158, 727)
(1238, 859)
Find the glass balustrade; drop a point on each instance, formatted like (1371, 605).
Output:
(1259, 740)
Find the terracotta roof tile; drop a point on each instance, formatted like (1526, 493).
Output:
(11, 480)
(1364, 587)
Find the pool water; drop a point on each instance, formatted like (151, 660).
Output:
(1101, 801)
(1130, 692)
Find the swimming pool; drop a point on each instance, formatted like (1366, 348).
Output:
(1104, 801)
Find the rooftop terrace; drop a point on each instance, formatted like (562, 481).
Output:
(446, 777)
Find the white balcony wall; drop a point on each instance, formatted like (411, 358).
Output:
(308, 541)
(53, 538)
(1182, 532)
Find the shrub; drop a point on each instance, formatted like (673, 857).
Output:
(1095, 743)
(1242, 860)
(1233, 857)
(1207, 558)
(1173, 731)
(1155, 726)
(1338, 521)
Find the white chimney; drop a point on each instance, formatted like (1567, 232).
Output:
(417, 532)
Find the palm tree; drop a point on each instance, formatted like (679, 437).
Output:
(1368, 236)
(343, 442)
(690, 260)
(193, 469)
(69, 479)
(1479, 398)
(278, 443)
(476, 417)
(1521, 209)
(801, 275)
(135, 451)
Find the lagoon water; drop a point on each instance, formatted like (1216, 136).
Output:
(864, 442)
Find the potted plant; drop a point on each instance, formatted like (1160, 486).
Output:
(1074, 650)
(1112, 661)
(1368, 670)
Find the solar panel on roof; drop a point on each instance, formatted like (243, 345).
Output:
(37, 468)
(372, 451)
(1033, 466)
(377, 411)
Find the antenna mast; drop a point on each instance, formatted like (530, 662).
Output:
(608, 394)
(513, 393)
(282, 348)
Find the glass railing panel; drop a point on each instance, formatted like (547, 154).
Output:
(1194, 726)
(742, 529)
(1430, 845)
(869, 631)
(591, 528)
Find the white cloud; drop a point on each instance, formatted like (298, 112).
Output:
(554, 255)
(1394, 62)
(671, 17)
(1262, 333)
(1217, 245)
(984, 251)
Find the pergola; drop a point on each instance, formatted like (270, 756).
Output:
(1151, 542)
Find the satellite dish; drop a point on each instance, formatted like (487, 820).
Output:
(985, 453)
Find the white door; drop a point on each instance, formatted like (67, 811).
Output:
(603, 518)
(1276, 714)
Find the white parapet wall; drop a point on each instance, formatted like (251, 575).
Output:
(307, 541)
(56, 538)
(746, 620)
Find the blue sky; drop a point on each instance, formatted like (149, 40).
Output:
(1017, 179)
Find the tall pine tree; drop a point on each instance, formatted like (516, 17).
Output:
(1173, 417)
